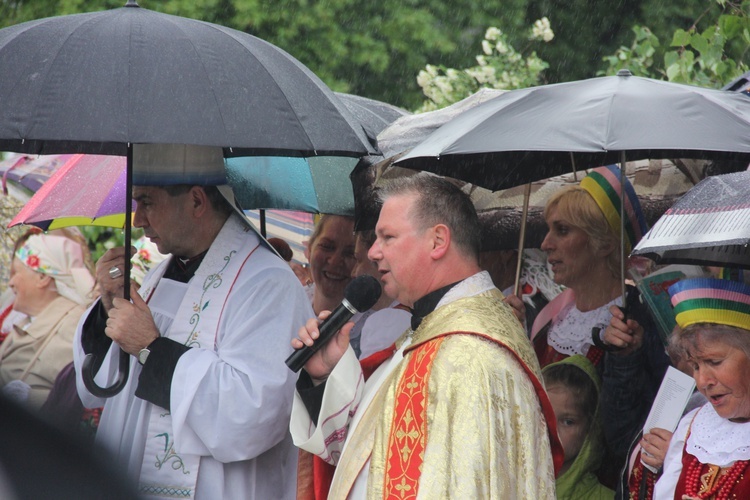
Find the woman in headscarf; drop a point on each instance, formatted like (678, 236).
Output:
(709, 453)
(52, 286)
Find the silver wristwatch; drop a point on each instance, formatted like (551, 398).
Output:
(143, 355)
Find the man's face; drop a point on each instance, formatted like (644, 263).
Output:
(402, 251)
(164, 219)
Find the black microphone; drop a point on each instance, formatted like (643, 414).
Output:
(359, 295)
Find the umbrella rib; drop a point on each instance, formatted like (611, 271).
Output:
(205, 71)
(230, 33)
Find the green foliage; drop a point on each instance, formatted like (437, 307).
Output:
(710, 57)
(500, 66)
(100, 239)
(374, 49)
(638, 58)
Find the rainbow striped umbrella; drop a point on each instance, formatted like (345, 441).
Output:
(87, 190)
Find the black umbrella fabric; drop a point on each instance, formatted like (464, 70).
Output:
(709, 225)
(92, 83)
(374, 115)
(100, 82)
(540, 132)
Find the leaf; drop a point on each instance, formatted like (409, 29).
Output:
(672, 71)
(680, 38)
(670, 58)
(731, 26)
(699, 43)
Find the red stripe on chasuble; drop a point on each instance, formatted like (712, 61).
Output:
(408, 437)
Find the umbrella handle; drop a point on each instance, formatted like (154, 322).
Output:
(596, 334)
(87, 373)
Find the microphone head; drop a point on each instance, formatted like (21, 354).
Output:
(362, 292)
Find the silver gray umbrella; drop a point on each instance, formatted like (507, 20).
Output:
(539, 132)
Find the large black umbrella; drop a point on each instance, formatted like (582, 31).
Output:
(709, 226)
(99, 82)
(374, 115)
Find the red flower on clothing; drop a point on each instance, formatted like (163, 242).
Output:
(32, 261)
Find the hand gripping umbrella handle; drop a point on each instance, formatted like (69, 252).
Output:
(87, 372)
(90, 361)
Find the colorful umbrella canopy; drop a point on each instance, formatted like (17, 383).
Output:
(70, 198)
(318, 184)
(315, 185)
(27, 173)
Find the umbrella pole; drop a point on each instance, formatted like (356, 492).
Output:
(522, 239)
(90, 362)
(262, 218)
(622, 228)
(573, 164)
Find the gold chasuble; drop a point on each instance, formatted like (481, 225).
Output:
(462, 416)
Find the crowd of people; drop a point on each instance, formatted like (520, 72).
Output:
(446, 388)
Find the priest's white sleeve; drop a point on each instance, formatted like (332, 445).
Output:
(341, 399)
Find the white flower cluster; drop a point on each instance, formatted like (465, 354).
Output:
(492, 34)
(499, 66)
(542, 30)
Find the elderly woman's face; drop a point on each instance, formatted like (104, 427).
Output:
(568, 251)
(26, 284)
(722, 374)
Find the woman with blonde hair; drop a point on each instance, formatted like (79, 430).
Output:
(52, 286)
(330, 252)
(583, 251)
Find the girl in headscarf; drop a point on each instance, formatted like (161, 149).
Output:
(573, 388)
(52, 286)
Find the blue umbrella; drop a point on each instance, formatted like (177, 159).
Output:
(316, 185)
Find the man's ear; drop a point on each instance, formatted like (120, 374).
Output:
(441, 240)
(199, 200)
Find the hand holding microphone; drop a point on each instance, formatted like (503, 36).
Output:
(360, 295)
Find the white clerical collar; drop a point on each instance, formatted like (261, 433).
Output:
(473, 285)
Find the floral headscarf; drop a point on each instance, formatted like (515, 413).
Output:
(62, 259)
